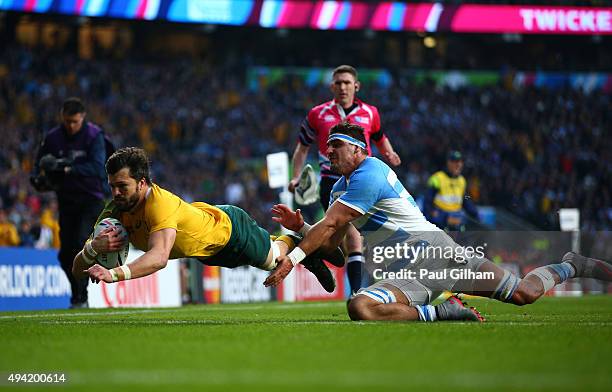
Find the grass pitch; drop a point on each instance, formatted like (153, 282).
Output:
(555, 344)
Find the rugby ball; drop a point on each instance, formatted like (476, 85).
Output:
(112, 259)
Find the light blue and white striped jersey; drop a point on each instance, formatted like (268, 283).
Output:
(390, 213)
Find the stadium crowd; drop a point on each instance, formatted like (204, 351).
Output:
(531, 150)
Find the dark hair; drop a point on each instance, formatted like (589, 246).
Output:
(134, 159)
(352, 130)
(345, 69)
(73, 106)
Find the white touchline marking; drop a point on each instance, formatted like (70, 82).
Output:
(202, 308)
(289, 322)
(203, 322)
(473, 379)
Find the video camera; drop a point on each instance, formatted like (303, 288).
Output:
(52, 171)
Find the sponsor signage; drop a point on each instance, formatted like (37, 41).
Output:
(535, 20)
(161, 289)
(301, 285)
(244, 284)
(211, 283)
(32, 279)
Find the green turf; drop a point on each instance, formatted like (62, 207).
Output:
(555, 344)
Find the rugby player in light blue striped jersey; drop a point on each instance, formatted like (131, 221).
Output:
(370, 197)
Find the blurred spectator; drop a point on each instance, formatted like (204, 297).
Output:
(49, 228)
(8, 231)
(530, 150)
(27, 234)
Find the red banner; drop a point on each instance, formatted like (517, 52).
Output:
(308, 288)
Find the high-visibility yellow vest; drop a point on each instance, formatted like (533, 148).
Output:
(451, 191)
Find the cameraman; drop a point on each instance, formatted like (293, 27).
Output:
(71, 163)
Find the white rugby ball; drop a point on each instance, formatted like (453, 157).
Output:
(112, 259)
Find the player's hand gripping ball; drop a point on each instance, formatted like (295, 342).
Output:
(112, 259)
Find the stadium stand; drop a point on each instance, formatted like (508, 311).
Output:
(531, 150)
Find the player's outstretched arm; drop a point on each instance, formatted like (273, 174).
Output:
(336, 218)
(293, 220)
(108, 240)
(156, 258)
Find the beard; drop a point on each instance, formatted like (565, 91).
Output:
(128, 204)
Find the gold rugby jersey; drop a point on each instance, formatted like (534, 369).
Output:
(202, 230)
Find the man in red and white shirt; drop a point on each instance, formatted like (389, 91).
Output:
(315, 128)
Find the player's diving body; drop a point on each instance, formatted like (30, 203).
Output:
(370, 196)
(164, 226)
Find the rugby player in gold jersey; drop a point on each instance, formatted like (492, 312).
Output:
(166, 227)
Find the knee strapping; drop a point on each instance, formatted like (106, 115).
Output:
(545, 275)
(379, 294)
(506, 287)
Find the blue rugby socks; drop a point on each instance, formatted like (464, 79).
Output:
(353, 271)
